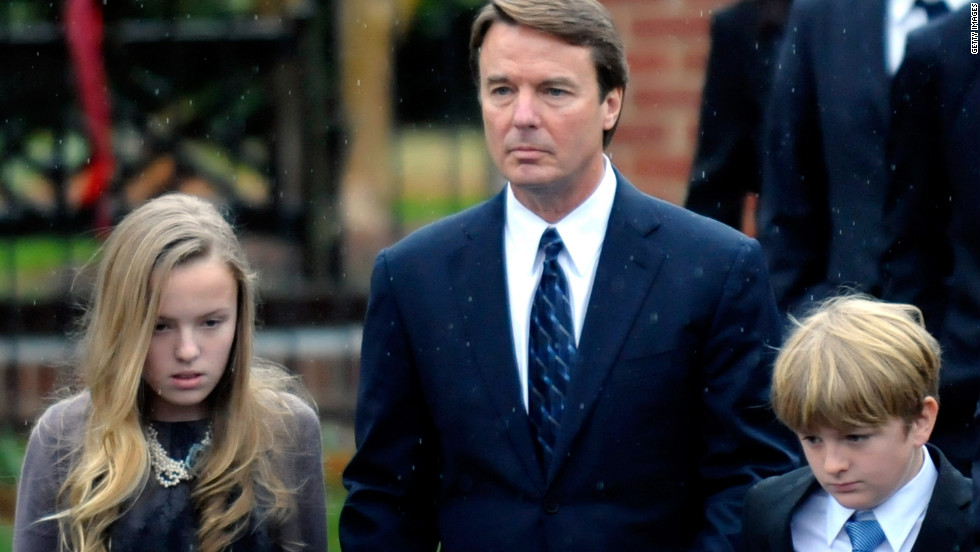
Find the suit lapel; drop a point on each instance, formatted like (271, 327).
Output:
(874, 13)
(800, 485)
(861, 57)
(480, 289)
(627, 266)
(948, 512)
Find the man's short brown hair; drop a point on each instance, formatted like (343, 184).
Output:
(576, 22)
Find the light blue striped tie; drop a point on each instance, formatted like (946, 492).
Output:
(865, 535)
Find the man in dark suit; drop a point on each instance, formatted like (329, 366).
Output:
(633, 416)
(727, 168)
(933, 214)
(824, 178)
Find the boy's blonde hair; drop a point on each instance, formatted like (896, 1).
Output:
(855, 362)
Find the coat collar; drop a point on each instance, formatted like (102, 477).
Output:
(627, 266)
(949, 511)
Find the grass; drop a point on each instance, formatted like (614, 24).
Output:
(11, 456)
(335, 501)
(6, 537)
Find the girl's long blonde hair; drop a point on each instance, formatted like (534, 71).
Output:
(237, 478)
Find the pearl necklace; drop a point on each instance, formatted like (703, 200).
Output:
(170, 472)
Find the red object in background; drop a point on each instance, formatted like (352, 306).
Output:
(83, 32)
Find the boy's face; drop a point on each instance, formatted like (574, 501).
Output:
(862, 467)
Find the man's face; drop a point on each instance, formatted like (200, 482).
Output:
(863, 467)
(542, 114)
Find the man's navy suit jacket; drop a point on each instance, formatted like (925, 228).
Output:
(668, 424)
(728, 160)
(933, 214)
(824, 178)
(947, 527)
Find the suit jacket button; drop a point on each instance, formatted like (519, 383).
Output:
(551, 507)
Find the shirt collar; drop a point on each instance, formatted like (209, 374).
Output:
(900, 9)
(581, 230)
(896, 515)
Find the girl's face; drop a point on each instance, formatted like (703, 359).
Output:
(192, 340)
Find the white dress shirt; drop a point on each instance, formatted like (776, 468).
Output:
(582, 232)
(903, 17)
(818, 524)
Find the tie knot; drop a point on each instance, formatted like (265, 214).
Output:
(933, 9)
(551, 244)
(865, 535)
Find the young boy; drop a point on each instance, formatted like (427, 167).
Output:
(857, 381)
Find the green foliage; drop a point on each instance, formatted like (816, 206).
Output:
(434, 17)
(38, 266)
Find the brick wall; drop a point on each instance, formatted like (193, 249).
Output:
(667, 45)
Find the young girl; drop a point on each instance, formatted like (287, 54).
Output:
(179, 439)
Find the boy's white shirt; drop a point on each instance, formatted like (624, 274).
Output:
(818, 524)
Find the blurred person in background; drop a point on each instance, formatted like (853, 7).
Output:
(727, 170)
(824, 175)
(932, 214)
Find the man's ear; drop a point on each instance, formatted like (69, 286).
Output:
(613, 103)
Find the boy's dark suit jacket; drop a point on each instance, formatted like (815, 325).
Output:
(668, 425)
(947, 527)
(824, 178)
(933, 213)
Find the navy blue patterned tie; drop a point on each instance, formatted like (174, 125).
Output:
(865, 535)
(933, 9)
(551, 348)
